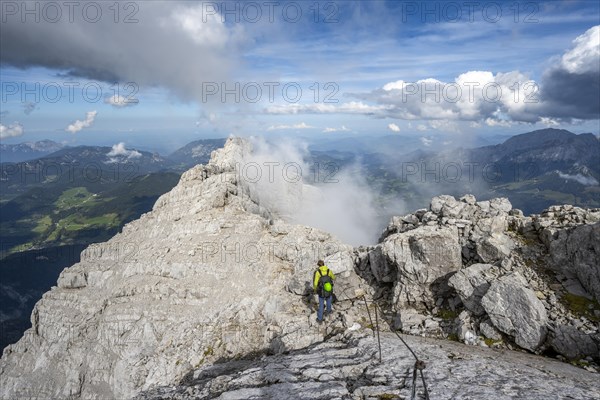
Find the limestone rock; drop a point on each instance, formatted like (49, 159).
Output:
(200, 277)
(472, 284)
(576, 250)
(347, 367)
(424, 258)
(574, 344)
(515, 310)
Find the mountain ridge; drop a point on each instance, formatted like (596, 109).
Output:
(182, 286)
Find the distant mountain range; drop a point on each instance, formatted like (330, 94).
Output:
(534, 170)
(27, 150)
(196, 152)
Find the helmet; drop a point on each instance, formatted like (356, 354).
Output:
(327, 286)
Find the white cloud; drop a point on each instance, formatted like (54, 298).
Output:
(568, 90)
(393, 127)
(202, 27)
(13, 130)
(498, 122)
(353, 107)
(426, 141)
(119, 150)
(584, 56)
(79, 125)
(394, 85)
(584, 180)
(549, 121)
(120, 101)
(421, 128)
(342, 129)
(301, 125)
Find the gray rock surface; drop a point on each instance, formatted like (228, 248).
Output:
(515, 310)
(572, 343)
(201, 276)
(576, 251)
(472, 283)
(423, 258)
(347, 367)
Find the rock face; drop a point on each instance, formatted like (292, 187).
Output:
(516, 311)
(215, 272)
(347, 367)
(201, 276)
(576, 251)
(422, 257)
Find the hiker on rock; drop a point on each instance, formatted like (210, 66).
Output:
(323, 286)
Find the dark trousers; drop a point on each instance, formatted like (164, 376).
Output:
(321, 301)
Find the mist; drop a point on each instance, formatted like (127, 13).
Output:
(339, 201)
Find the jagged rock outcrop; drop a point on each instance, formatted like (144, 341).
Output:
(422, 258)
(519, 278)
(201, 276)
(347, 367)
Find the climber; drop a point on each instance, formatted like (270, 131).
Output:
(323, 286)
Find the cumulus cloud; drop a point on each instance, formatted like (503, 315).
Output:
(330, 130)
(79, 125)
(13, 130)
(301, 125)
(568, 90)
(172, 45)
(119, 151)
(394, 85)
(393, 127)
(584, 56)
(119, 101)
(473, 96)
(549, 122)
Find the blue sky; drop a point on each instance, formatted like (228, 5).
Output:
(363, 69)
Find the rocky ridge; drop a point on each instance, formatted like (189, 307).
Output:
(482, 273)
(212, 273)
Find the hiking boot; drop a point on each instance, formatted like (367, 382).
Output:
(319, 321)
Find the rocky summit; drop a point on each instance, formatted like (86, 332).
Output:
(209, 295)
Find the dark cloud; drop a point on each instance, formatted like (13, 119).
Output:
(569, 95)
(29, 107)
(170, 46)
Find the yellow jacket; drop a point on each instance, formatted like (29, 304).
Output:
(323, 271)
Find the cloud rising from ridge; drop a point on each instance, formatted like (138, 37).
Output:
(342, 205)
